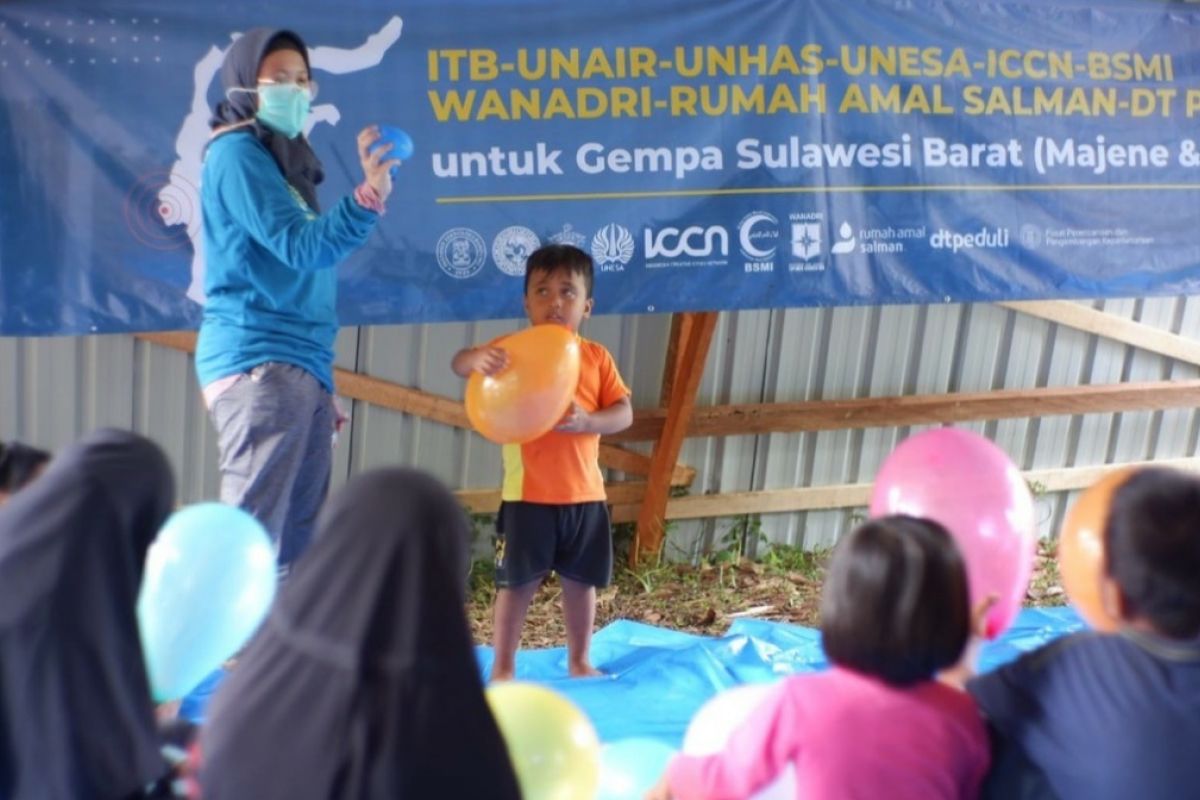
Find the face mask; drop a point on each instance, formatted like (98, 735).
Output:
(283, 107)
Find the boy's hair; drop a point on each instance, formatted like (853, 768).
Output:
(551, 257)
(895, 603)
(1152, 549)
(18, 464)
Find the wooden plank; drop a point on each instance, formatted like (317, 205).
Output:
(614, 457)
(357, 387)
(487, 501)
(1110, 326)
(176, 340)
(438, 408)
(887, 412)
(401, 398)
(694, 336)
(857, 495)
(867, 412)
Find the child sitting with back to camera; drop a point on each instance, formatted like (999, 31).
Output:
(1117, 715)
(878, 724)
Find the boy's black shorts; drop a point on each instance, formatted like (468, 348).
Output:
(574, 540)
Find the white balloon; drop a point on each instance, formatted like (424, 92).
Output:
(717, 719)
(710, 728)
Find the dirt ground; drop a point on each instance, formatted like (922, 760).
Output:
(784, 586)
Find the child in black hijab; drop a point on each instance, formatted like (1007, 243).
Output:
(76, 717)
(363, 683)
(19, 464)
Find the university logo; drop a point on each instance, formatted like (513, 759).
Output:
(612, 247)
(512, 247)
(461, 252)
(568, 235)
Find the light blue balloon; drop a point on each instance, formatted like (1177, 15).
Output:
(630, 767)
(209, 580)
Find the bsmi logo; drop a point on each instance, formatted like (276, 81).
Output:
(693, 241)
(758, 236)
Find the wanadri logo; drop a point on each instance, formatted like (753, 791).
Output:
(693, 241)
(984, 238)
(807, 241)
(612, 247)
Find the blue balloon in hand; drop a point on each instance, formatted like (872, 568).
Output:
(401, 142)
(209, 580)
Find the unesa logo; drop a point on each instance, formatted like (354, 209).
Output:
(694, 241)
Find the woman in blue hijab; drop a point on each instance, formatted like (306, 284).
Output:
(264, 357)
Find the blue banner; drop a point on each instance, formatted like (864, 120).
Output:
(710, 154)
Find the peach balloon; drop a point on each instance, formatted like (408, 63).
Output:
(1081, 549)
(533, 392)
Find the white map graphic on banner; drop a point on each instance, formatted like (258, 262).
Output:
(179, 200)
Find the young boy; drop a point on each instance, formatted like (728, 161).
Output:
(553, 514)
(1116, 716)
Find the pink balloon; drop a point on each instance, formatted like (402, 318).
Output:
(969, 485)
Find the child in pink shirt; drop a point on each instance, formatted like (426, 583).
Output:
(894, 612)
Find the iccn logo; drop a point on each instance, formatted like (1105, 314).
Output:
(693, 241)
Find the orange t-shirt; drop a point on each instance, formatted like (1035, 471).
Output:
(560, 468)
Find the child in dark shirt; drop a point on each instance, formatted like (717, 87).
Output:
(1102, 716)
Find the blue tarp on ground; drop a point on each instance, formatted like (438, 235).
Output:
(658, 678)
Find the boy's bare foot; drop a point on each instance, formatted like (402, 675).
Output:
(583, 671)
(499, 675)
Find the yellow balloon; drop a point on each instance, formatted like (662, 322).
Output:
(552, 744)
(530, 395)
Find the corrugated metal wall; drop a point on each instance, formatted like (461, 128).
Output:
(52, 390)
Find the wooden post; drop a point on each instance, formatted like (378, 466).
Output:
(689, 344)
(670, 361)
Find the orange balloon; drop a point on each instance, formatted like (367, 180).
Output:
(533, 392)
(1081, 549)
